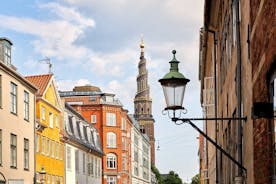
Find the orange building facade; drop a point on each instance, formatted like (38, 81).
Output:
(110, 119)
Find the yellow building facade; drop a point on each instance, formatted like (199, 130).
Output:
(49, 149)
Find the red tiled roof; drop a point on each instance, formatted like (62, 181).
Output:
(40, 81)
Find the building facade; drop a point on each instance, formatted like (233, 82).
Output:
(143, 102)
(140, 154)
(49, 148)
(17, 117)
(83, 151)
(237, 73)
(108, 116)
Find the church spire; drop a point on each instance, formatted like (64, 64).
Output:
(143, 102)
(142, 46)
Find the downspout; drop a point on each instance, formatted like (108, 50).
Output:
(35, 139)
(239, 179)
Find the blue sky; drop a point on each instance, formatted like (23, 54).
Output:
(97, 42)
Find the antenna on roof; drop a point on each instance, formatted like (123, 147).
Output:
(48, 62)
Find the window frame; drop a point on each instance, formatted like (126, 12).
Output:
(51, 120)
(111, 119)
(26, 106)
(111, 138)
(68, 159)
(42, 113)
(111, 161)
(26, 154)
(93, 118)
(13, 147)
(13, 98)
(111, 180)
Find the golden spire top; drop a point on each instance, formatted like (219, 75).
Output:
(142, 46)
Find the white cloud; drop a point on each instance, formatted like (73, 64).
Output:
(56, 37)
(68, 85)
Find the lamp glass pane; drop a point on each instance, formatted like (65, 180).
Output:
(174, 95)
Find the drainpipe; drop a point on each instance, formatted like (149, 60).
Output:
(34, 115)
(239, 179)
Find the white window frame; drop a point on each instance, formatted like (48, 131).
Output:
(68, 158)
(26, 105)
(110, 119)
(26, 154)
(13, 98)
(42, 113)
(13, 149)
(57, 121)
(111, 180)
(51, 120)
(111, 161)
(111, 140)
(123, 124)
(93, 118)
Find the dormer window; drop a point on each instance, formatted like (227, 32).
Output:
(7, 54)
(5, 50)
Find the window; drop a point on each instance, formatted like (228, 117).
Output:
(57, 150)
(0, 90)
(124, 143)
(234, 21)
(48, 179)
(13, 98)
(111, 180)
(93, 118)
(42, 113)
(136, 157)
(111, 140)
(57, 121)
(7, 54)
(83, 163)
(111, 161)
(68, 158)
(123, 124)
(124, 162)
(0, 147)
(92, 165)
(13, 151)
(26, 154)
(77, 161)
(110, 119)
(37, 139)
(48, 146)
(99, 168)
(43, 145)
(51, 120)
(53, 149)
(60, 151)
(26, 105)
(53, 179)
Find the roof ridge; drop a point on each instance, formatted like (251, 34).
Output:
(49, 74)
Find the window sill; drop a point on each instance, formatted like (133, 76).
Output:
(14, 113)
(25, 169)
(13, 167)
(27, 120)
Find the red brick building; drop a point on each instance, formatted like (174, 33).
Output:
(238, 57)
(110, 119)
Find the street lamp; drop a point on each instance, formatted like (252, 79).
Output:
(174, 84)
(42, 176)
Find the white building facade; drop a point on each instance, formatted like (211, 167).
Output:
(83, 151)
(140, 155)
